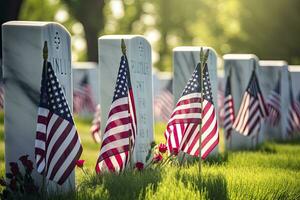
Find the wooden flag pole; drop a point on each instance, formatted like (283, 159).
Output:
(123, 48)
(203, 59)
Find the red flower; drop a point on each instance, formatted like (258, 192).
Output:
(79, 163)
(162, 148)
(139, 166)
(26, 162)
(157, 158)
(175, 151)
(14, 168)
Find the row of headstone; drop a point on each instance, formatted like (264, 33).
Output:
(86, 85)
(22, 67)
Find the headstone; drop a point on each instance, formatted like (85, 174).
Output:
(160, 81)
(185, 59)
(241, 66)
(269, 75)
(139, 58)
(294, 70)
(86, 74)
(22, 71)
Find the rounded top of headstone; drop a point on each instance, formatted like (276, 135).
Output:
(84, 65)
(272, 63)
(240, 57)
(118, 37)
(34, 24)
(193, 48)
(294, 68)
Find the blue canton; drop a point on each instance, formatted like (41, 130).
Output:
(193, 85)
(122, 85)
(52, 95)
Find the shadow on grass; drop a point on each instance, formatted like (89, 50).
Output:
(130, 185)
(211, 186)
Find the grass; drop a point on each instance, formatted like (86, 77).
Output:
(270, 172)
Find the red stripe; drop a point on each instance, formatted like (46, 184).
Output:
(116, 123)
(40, 136)
(117, 109)
(189, 101)
(42, 120)
(117, 136)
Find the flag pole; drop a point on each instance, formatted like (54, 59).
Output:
(45, 57)
(203, 59)
(255, 138)
(123, 48)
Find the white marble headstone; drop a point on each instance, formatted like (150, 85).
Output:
(294, 70)
(269, 75)
(185, 59)
(22, 71)
(91, 70)
(139, 58)
(241, 66)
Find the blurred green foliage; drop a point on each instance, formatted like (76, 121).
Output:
(269, 29)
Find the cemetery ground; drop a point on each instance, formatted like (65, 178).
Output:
(272, 171)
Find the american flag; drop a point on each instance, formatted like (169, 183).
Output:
(293, 112)
(82, 97)
(57, 143)
(229, 109)
(183, 129)
(273, 105)
(96, 125)
(120, 129)
(163, 104)
(252, 110)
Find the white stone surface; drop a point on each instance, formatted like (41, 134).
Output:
(242, 67)
(185, 59)
(139, 58)
(91, 70)
(22, 71)
(270, 72)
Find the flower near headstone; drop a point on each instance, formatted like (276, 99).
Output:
(79, 163)
(157, 158)
(162, 148)
(14, 168)
(139, 166)
(19, 185)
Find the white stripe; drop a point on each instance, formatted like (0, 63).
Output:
(116, 130)
(114, 144)
(190, 96)
(41, 166)
(119, 102)
(40, 144)
(250, 112)
(115, 163)
(51, 122)
(41, 128)
(186, 106)
(117, 115)
(208, 144)
(209, 129)
(43, 112)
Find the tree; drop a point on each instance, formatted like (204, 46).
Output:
(90, 13)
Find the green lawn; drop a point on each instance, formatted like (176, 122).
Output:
(270, 172)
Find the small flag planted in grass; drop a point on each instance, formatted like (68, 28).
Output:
(228, 108)
(252, 109)
(119, 136)
(183, 130)
(57, 143)
(273, 105)
(293, 111)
